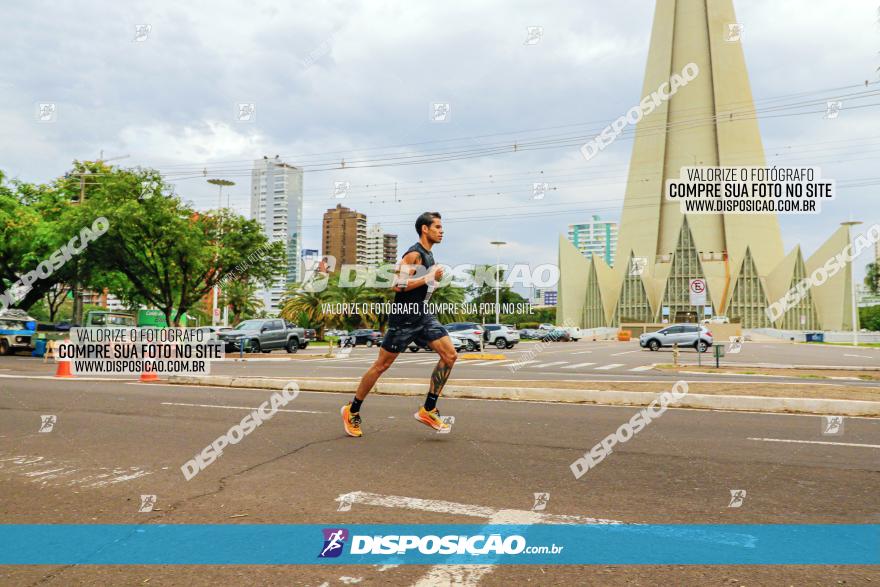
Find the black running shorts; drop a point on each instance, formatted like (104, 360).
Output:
(424, 330)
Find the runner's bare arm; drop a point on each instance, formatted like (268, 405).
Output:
(407, 267)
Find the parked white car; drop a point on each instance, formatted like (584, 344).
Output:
(574, 332)
(501, 336)
(470, 332)
(717, 320)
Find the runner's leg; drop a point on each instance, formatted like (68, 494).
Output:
(382, 363)
(448, 356)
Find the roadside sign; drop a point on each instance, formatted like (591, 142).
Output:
(697, 289)
(803, 319)
(665, 310)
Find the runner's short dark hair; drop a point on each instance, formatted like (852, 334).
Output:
(425, 219)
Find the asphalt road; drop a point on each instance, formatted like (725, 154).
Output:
(577, 361)
(114, 441)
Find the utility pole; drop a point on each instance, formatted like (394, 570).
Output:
(498, 245)
(852, 284)
(75, 289)
(215, 311)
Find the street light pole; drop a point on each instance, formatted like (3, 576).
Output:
(852, 283)
(498, 245)
(215, 313)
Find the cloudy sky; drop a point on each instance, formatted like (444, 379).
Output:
(338, 81)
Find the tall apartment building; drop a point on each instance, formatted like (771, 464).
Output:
(381, 247)
(344, 236)
(389, 248)
(277, 203)
(597, 237)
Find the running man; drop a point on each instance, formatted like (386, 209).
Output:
(410, 321)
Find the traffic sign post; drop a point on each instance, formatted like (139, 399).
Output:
(697, 291)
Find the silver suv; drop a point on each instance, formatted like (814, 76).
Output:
(500, 335)
(470, 332)
(694, 335)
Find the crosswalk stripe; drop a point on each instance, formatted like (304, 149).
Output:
(521, 363)
(611, 366)
(543, 365)
(642, 368)
(576, 365)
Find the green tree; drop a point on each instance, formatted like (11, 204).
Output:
(170, 255)
(872, 278)
(33, 225)
(241, 297)
(869, 318)
(300, 302)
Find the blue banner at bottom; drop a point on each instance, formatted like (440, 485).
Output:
(273, 544)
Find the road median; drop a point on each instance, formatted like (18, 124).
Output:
(545, 391)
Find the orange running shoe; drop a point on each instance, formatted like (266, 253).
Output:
(351, 422)
(431, 419)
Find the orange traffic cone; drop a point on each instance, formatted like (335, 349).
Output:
(63, 369)
(149, 375)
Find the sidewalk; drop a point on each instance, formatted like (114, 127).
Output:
(828, 399)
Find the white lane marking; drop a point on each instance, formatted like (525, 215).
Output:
(237, 408)
(463, 509)
(467, 575)
(576, 365)
(24, 465)
(611, 366)
(521, 363)
(121, 476)
(65, 379)
(642, 368)
(41, 473)
(581, 352)
(624, 353)
(553, 364)
(860, 356)
(235, 358)
(817, 442)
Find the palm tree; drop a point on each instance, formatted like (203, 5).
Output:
(449, 294)
(241, 296)
(298, 301)
(352, 295)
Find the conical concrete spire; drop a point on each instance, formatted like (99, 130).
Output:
(710, 121)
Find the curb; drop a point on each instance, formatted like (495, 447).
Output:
(772, 366)
(748, 403)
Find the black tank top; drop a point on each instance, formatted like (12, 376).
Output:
(416, 297)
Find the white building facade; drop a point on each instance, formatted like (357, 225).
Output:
(597, 237)
(277, 204)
